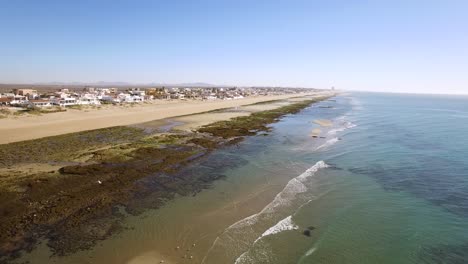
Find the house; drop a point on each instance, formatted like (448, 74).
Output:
(177, 96)
(129, 98)
(136, 91)
(5, 101)
(110, 99)
(26, 92)
(89, 89)
(40, 103)
(10, 95)
(210, 97)
(88, 99)
(65, 101)
(19, 100)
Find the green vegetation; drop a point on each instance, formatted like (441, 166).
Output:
(65, 147)
(250, 125)
(31, 111)
(267, 102)
(5, 112)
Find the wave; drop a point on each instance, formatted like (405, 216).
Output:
(283, 225)
(346, 125)
(242, 258)
(310, 251)
(307, 254)
(237, 231)
(293, 187)
(328, 143)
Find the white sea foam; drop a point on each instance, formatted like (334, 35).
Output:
(283, 225)
(281, 200)
(242, 258)
(294, 186)
(327, 143)
(346, 125)
(310, 251)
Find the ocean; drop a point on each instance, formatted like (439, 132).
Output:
(386, 182)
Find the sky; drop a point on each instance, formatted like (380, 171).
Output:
(393, 46)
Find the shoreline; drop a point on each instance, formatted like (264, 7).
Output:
(71, 121)
(97, 170)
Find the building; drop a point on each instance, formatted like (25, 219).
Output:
(40, 103)
(65, 101)
(5, 101)
(136, 92)
(29, 93)
(19, 100)
(89, 89)
(88, 99)
(129, 98)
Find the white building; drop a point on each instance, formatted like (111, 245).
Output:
(128, 98)
(40, 103)
(65, 101)
(89, 99)
(19, 100)
(110, 99)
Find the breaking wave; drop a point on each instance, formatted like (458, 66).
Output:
(285, 197)
(328, 143)
(346, 125)
(283, 225)
(242, 230)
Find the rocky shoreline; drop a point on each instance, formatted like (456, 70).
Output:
(99, 176)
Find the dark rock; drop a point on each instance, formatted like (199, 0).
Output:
(307, 233)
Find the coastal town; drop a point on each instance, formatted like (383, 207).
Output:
(30, 98)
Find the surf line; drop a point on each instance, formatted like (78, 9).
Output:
(292, 188)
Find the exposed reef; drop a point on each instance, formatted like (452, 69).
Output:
(78, 187)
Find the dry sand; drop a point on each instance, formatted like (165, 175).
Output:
(32, 127)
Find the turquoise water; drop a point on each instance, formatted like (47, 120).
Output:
(396, 191)
(387, 183)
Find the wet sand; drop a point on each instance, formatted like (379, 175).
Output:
(150, 257)
(323, 122)
(21, 128)
(315, 132)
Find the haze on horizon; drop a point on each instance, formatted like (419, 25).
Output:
(387, 46)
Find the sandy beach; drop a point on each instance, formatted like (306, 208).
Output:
(32, 127)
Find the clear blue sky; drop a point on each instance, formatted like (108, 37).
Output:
(411, 46)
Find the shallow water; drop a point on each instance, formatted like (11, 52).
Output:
(387, 184)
